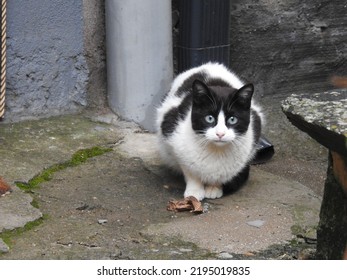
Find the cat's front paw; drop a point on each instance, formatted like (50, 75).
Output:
(199, 194)
(213, 192)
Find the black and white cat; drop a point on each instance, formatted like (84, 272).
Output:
(208, 128)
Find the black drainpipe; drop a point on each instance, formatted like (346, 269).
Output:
(204, 27)
(203, 32)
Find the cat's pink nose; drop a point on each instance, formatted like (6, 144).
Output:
(220, 134)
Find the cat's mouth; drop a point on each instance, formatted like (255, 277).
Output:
(221, 142)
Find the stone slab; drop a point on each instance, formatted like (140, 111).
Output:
(321, 115)
(16, 210)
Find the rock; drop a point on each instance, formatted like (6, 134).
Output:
(322, 116)
(185, 250)
(225, 256)
(102, 221)
(256, 223)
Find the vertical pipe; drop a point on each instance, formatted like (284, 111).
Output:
(203, 32)
(139, 57)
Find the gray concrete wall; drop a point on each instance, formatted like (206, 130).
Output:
(47, 71)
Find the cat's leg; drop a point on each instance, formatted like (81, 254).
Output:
(213, 191)
(194, 186)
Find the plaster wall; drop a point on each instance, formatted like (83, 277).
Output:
(47, 71)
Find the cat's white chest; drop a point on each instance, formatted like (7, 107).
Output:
(208, 161)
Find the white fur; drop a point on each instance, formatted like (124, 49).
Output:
(220, 134)
(209, 162)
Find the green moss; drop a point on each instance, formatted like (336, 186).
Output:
(35, 203)
(8, 235)
(82, 155)
(77, 158)
(296, 230)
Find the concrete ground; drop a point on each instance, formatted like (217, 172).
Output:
(113, 205)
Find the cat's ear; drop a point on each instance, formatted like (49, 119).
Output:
(201, 93)
(200, 88)
(244, 95)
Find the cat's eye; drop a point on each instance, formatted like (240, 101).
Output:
(232, 120)
(209, 119)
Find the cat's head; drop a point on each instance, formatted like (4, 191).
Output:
(220, 113)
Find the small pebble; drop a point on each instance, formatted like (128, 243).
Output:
(206, 207)
(99, 128)
(256, 223)
(102, 221)
(225, 256)
(184, 250)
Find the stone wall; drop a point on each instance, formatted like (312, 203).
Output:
(286, 47)
(289, 46)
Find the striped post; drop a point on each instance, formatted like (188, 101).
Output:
(3, 59)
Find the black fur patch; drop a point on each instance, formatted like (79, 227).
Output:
(175, 115)
(215, 95)
(256, 125)
(237, 182)
(211, 100)
(188, 83)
